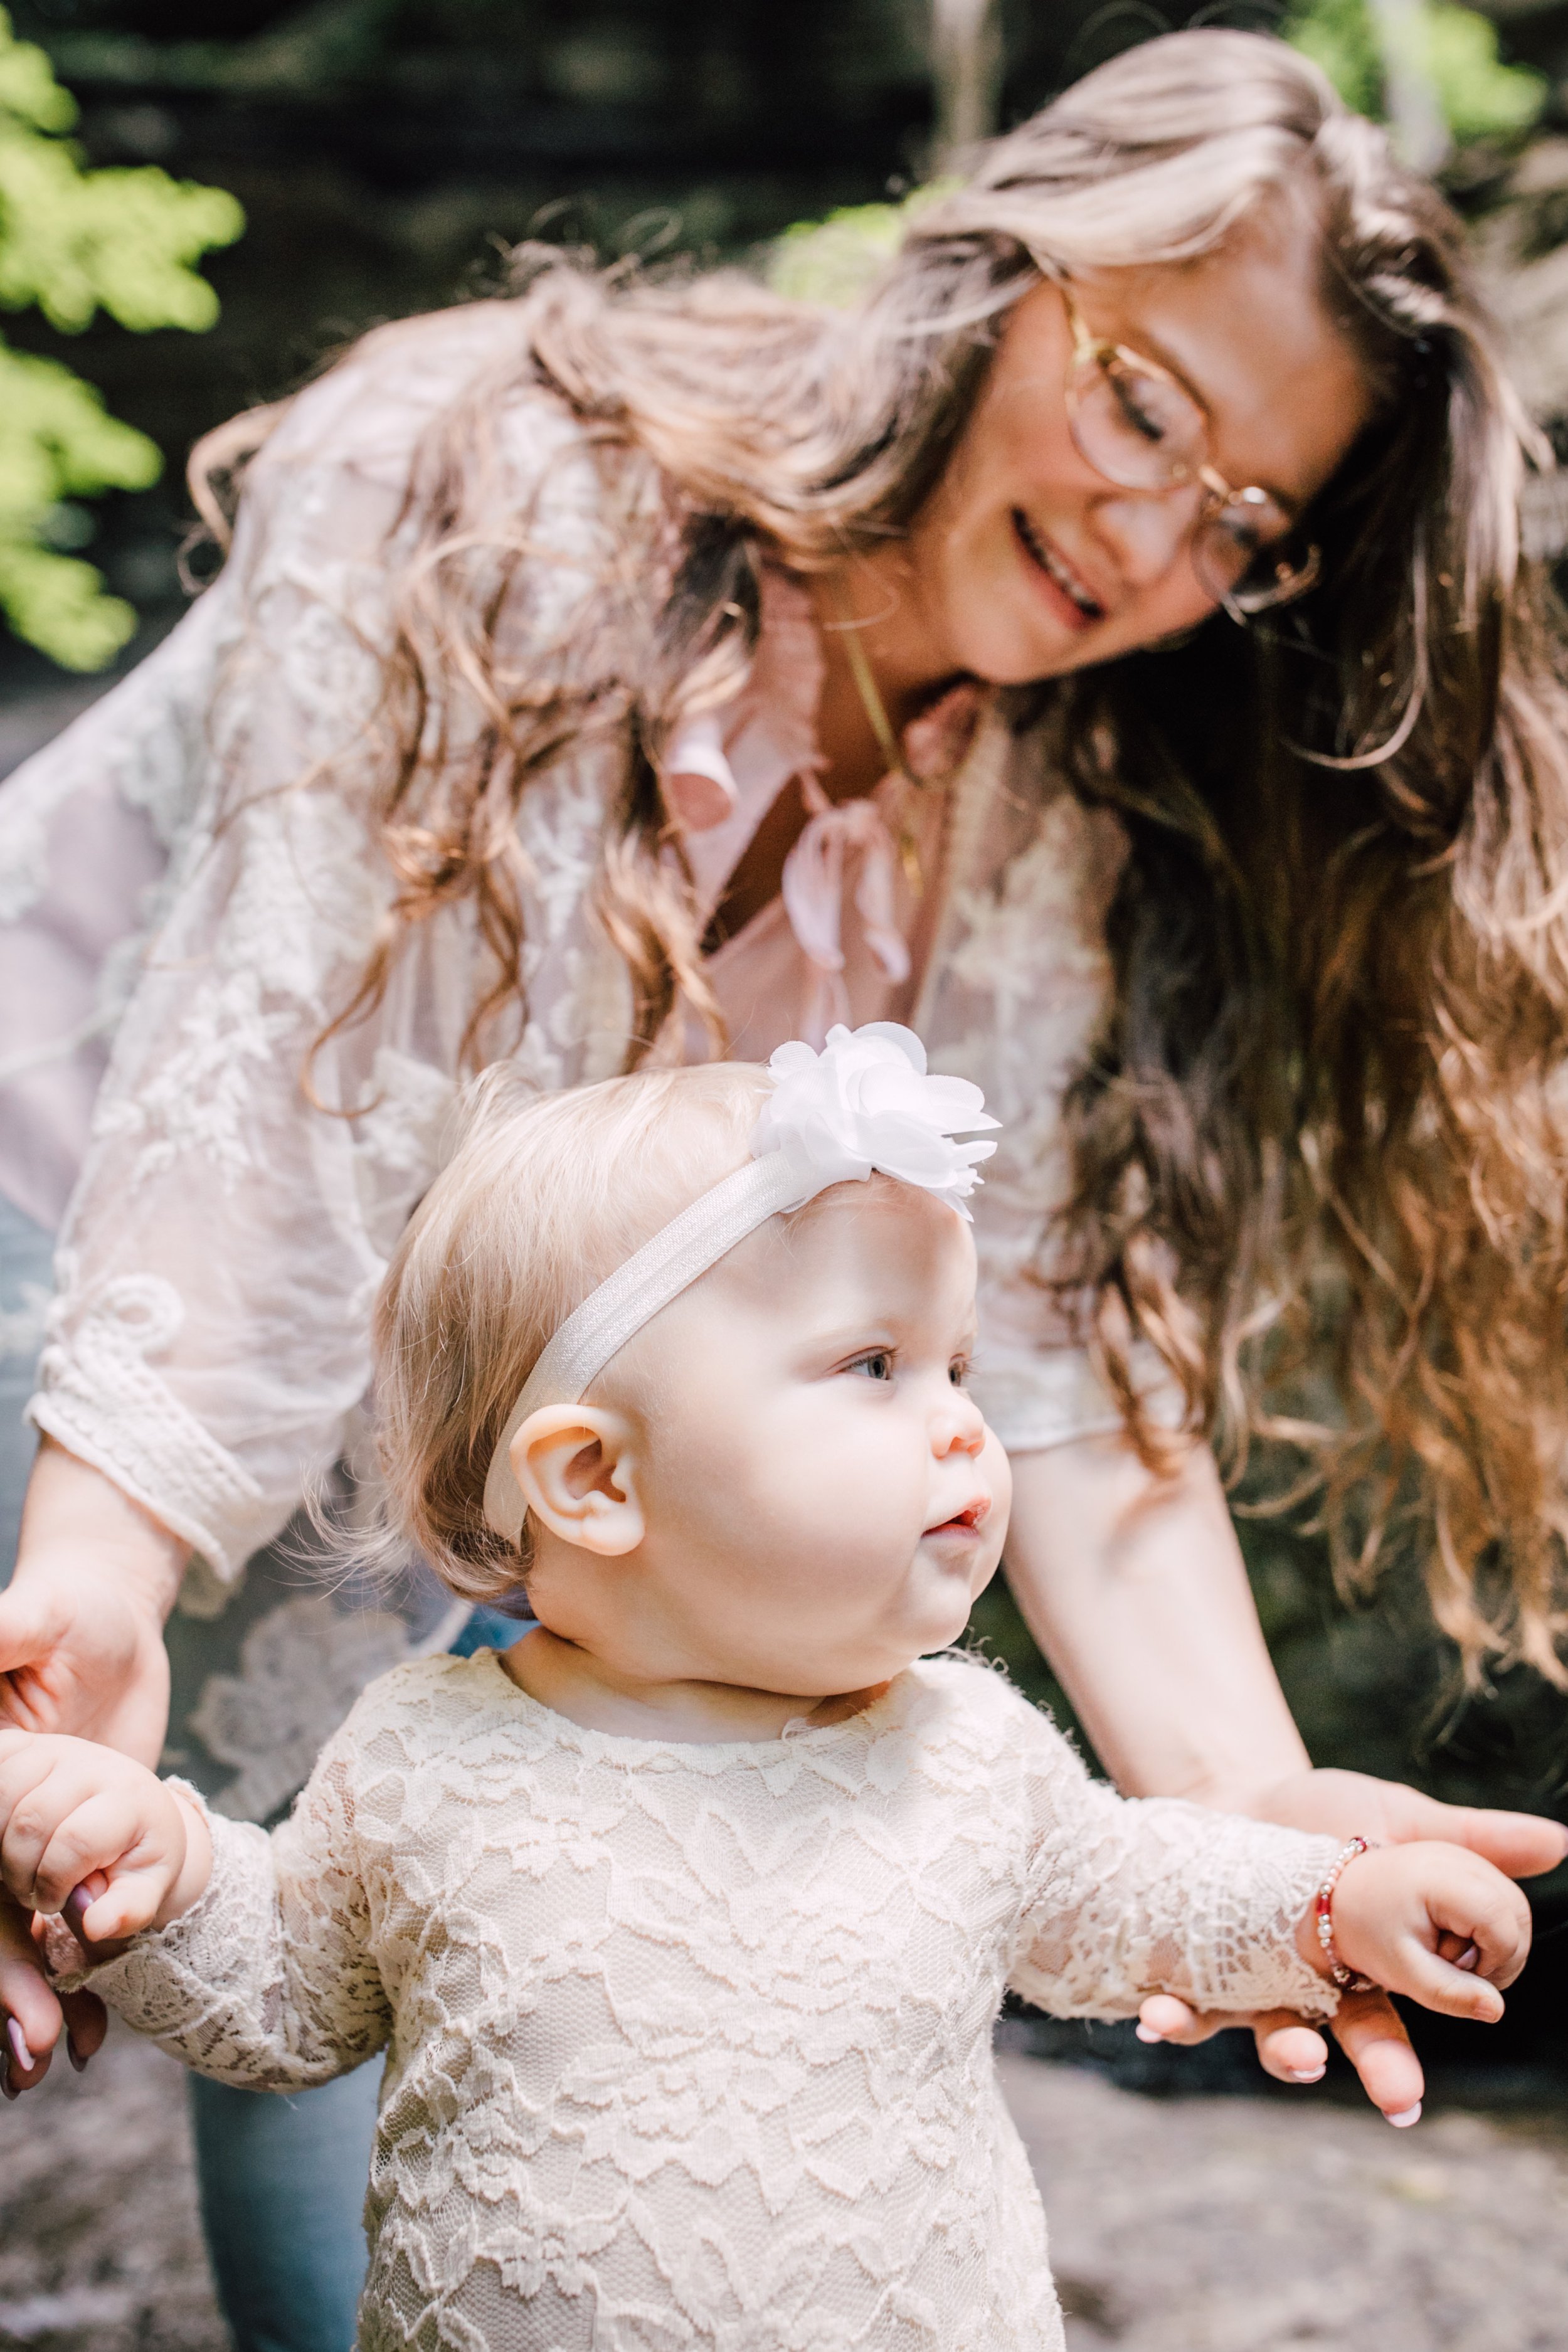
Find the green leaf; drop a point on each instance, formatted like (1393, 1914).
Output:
(59, 604)
(1480, 98)
(28, 91)
(73, 241)
(832, 261)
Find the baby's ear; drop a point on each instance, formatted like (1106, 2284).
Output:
(574, 1465)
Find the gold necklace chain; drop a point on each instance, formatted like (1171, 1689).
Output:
(888, 743)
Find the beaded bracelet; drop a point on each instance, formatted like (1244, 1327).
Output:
(1345, 1979)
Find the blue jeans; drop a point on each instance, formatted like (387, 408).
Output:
(282, 2178)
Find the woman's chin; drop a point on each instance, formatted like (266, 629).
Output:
(1022, 656)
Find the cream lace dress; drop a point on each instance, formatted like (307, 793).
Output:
(187, 896)
(691, 2046)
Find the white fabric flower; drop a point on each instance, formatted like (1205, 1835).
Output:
(866, 1103)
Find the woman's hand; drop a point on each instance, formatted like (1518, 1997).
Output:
(1367, 2027)
(81, 1649)
(81, 1623)
(33, 2014)
(1134, 1588)
(72, 1812)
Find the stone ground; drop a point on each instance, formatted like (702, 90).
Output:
(1189, 2225)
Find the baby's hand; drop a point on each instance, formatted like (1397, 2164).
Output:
(1433, 1921)
(72, 1812)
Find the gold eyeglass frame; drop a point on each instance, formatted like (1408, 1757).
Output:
(1092, 350)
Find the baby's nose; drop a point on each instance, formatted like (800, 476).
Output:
(960, 1428)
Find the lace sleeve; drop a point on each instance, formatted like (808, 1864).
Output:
(1133, 1895)
(87, 829)
(268, 1983)
(210, 1336)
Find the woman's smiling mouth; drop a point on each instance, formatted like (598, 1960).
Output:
(1078, 606)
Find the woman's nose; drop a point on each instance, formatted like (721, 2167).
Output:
(1148, 532)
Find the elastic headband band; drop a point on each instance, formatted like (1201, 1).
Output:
(864, 1105)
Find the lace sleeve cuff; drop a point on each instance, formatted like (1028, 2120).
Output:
(1172, 1898)
(102, 1401)
(1039, 1397)
(171, 1983)
(223, 1989)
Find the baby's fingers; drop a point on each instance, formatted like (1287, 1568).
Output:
(1453, 1991)
(99, 1833)
(1489, 1914)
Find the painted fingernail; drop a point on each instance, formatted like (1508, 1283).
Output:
(74, 2054)
(1468, 1958)
(1308, 2073)
(76, 1905)
(1147, 2033)
(19, 2050)
(1406, 2117)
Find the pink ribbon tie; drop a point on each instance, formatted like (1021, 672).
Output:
(813, 891)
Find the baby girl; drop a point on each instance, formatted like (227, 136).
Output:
(684, 1924)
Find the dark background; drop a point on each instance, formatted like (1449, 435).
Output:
(387, 154)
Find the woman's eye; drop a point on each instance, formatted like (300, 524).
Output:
(877, 1366)
(1137, 412)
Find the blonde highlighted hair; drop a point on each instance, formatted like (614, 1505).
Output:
(1329, 1095)
(543, 1198)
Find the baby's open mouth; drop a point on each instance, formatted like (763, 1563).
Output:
(966, 1522)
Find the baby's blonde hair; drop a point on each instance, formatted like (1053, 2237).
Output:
(543, 1197)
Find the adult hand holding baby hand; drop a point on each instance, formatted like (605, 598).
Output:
(1367, 2026)
(74, 1815)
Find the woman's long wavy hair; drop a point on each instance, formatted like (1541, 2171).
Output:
(1327, 1105)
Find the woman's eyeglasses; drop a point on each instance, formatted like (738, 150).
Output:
(1135, 424)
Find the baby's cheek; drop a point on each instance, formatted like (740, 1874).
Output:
(998, 1474)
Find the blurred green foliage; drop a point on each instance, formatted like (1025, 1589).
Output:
(832, 261)
(1480, 98)
(73, 241)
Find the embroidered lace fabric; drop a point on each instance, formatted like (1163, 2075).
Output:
(691, 2045)
(209, 1344)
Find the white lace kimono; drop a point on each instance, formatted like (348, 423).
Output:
(691, 2046)
(208, 1345)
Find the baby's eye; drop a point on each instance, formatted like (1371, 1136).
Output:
(958, 1371)
(877, 1364)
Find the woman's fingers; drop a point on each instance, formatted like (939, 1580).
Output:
(1368, 2030)
(1287, 2048)
(1164, 2017)
(1522, 1845)
(87, 2022)
(33, 1619)
(30, 2011)
(83, 1657)
(1354, 1804)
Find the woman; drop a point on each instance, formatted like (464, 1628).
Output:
(603, 673)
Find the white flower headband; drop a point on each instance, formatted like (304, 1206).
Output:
(865, 1103)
